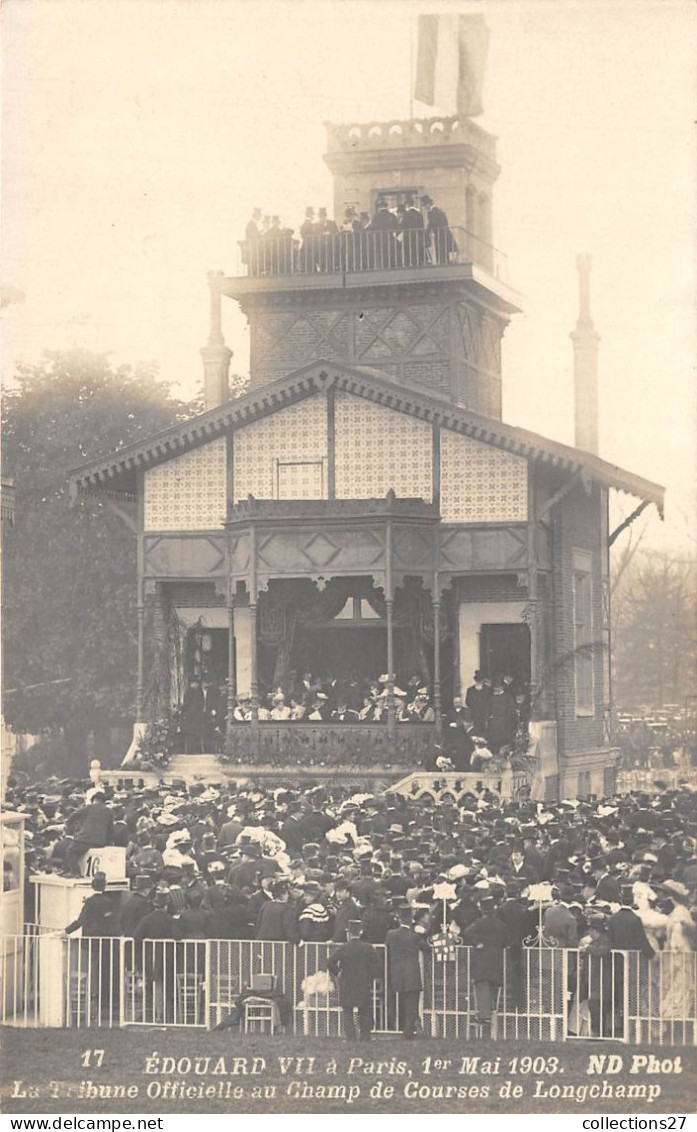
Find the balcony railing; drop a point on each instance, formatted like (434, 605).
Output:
(355, 252)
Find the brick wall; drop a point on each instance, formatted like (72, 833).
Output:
(494, 587)
(577, 526)
(434, 340)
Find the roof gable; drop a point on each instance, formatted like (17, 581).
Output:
(118, 472)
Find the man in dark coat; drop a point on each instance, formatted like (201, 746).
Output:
(412, 239)
(438, 235)
(477, 703)
(156, 957)
(346, 910)
(519, 922)
(92, 827)
(404, 947)
(99, 914)
(213, 716)
(502, 721)
(382, 246)
(625, 928)
(191, 721)
(487, 936)
(356, 965)
(458, 742)
(626, 933)
(136, 906)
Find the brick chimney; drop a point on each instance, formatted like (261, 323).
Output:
(216, 355)
(585, 339)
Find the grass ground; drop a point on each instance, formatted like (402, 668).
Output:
(425, 1075)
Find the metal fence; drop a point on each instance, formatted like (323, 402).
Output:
(545, 994)
(365, 250)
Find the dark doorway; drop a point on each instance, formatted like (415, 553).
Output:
(504, 650)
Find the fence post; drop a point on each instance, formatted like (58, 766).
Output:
(625, 993)
(207, 984)
(123, 943)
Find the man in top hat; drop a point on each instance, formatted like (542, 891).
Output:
(411, 224)
(477, 703)
(382, 247)
(99, 914)
(356, 965)
(488, 937)
(439, 238)
(404, 970)
(343, 713)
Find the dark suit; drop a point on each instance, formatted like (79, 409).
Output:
(519, 923)
(627, 933)
(439, 236)
(477, 700)
(502, 721)
(487, 936)
(191, 723)
(412, 237)
(357, 965)
(404, 971)
(608, 889)
(98, 916)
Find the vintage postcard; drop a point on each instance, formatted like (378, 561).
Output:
(349, 728)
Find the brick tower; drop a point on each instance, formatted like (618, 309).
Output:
(434, 322)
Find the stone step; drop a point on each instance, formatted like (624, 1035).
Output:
(206, 767)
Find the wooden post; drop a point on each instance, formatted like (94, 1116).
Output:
(436, 653)
(534, 621)
(140, 680)
(140, 598)
(389, 611)
(253, 658)
(331, 442)
(231, 655)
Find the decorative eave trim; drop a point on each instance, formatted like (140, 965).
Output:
(372, 385)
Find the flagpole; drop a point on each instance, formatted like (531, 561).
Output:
(411, 67)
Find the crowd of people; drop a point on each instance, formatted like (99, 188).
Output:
(331, 865)
(413, 233)
(478, 727)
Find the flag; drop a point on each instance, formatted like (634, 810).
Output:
(450, 63)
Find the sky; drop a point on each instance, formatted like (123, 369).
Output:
(139, 134)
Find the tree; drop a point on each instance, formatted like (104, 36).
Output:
(655, 631)
(69, 624)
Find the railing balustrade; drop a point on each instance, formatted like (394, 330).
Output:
(545, 994)
(349, 252)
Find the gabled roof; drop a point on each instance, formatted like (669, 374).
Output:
(117, 472)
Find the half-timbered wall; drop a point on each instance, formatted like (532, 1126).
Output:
(378, 449)
(480, 483)
(187, 493)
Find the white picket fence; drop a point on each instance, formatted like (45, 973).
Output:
(547, 994)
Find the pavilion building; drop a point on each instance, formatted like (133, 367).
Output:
(364, 507)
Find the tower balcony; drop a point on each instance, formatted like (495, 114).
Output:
(354, 259)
